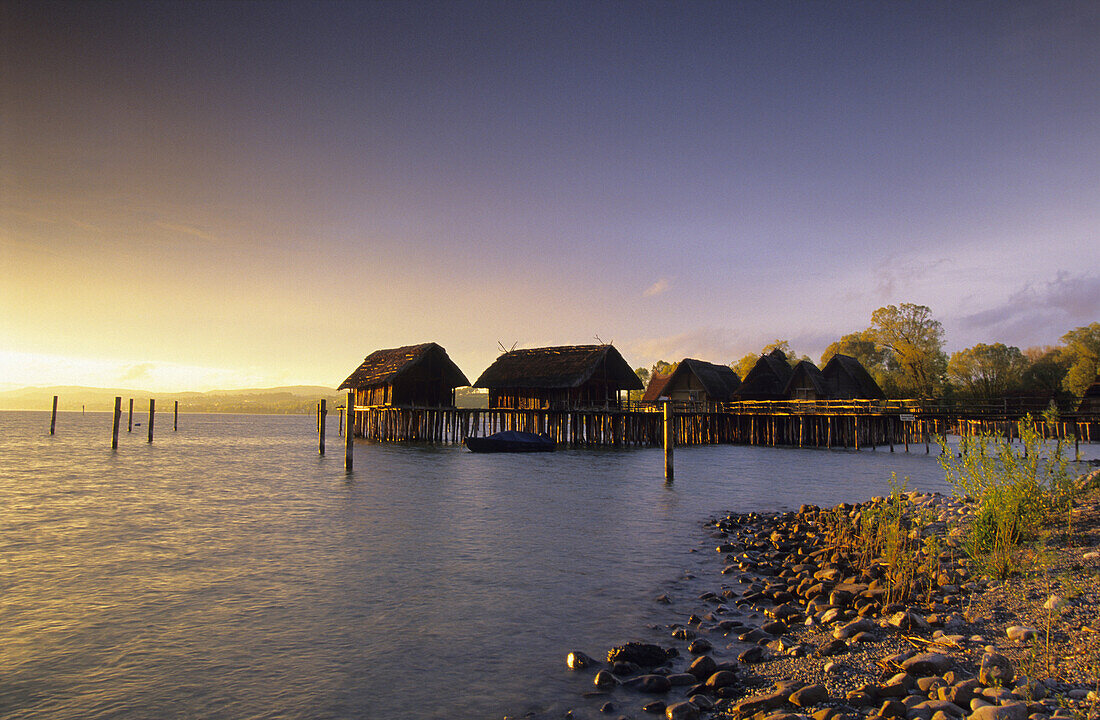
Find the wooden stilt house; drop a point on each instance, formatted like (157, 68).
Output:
(807, 383)
(767, 380)
(701, 385)
(558, 378)
(847, 379)
(655, 390)
(411, 376)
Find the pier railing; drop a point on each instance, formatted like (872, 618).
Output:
(795, 423)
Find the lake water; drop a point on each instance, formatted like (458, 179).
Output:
(228, 571)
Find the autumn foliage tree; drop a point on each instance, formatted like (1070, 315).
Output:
(914, 340)
(987, 371)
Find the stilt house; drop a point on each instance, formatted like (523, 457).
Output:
(807, 383)
(767, 380)
(410, 376)
(701, 384)
(848, 380)
(558, 378)
(655, 390)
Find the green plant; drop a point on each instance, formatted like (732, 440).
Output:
(1015, 492)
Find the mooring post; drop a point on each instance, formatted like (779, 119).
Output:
(118, 416)
(152, 411)
(176, 416)
(53, 415)
(340, 429)
(349, 431)
(669, 441)
(130, 420)
(322, 412)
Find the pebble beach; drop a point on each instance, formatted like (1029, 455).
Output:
(801, 625)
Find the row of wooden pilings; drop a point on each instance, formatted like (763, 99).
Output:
(117, 419)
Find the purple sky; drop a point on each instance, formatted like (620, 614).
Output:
(198, 195)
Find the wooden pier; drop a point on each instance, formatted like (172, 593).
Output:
(854, 425)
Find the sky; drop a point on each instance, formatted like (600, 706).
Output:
(223, 195)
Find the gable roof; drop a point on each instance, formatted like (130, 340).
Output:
(853, 368)
(806, 374)
(655, 388)
(718, 381)
(567, 366)
(767, 379)
(382, 366)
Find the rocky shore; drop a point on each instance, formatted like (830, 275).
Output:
(804, 621)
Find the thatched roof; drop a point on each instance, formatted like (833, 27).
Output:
(853, 368)
(383, 366)
(806, 374)
(768, 378)
(568, 366)
(719, 381)
(655, 388)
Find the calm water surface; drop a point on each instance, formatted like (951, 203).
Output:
(227, 571)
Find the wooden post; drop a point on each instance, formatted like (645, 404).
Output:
(53, 415)
(152, 412)
(130, 419)
(669, 440)
(176, 416)
(341, 428)
(118, 416)
(322, 411)
(349, 431)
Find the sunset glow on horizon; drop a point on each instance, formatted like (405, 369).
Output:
(225, 195)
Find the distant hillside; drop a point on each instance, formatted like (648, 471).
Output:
(294, 400)
(291, 400)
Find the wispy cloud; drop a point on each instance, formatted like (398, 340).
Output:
(656, 288)
(186, 230)
(1036, 309)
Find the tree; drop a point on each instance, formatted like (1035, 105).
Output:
(1046, 370)
(987, 371)
(742, 366)
(915, 341)
(1082, 349)
(662, 368)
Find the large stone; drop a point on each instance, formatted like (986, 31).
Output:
(577, 660)
(721, 679)
(831, 647)
(996, 670)
(906, 620)
(700, 646)
(604, 680)
(682, 711)
(927, 664)
(643, 654)
(809, 695)
(854, 627)
(1021, 633)
(754, 654)
(652, 684)
(893, 709)
(1011, 711)
(703, 667)
(769, 701)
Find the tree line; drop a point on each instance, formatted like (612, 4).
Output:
(903, 351)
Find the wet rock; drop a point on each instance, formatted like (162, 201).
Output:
(720, 679)
(607, 707)
(652, 684)
(700, 646)
(683, 633)
(769, 701)
(577, 660)
(624, 669)
(702, 702)
(893, 710)
(776, 628)
(684, 710)
(663, 599)
(643, 654)
(657, 707)
(683, 679)
(809, 695)
(703, 667)
(754, 654)
(605, 680)
(754, 636)
(996, 670)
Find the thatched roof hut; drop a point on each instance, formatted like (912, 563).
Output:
(1090, 401)
(655, 389)
(807, 383)
(414, 375)
(567, 377)
(698, 381)
(849, 380)
(768, 378)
